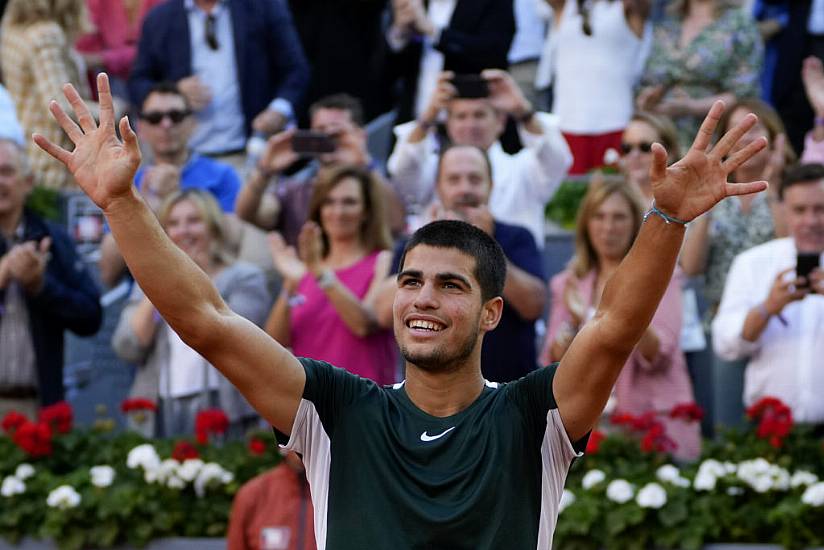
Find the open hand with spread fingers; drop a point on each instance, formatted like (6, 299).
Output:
(697, 182)
(102, 165)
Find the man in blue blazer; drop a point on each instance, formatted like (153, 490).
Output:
(238, 62)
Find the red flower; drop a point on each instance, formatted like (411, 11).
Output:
(35, 439)
(775, 420)
(210, 421)
(594, 442)
(257, 446)
(656, 440)
(184, 450)
(59, 416)
(138, 404)
(689, 412)
(12, 421)
(621, 419)
(645, 422)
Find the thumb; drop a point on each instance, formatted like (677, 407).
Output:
(658, 169)
(45, 244)
(129, 140)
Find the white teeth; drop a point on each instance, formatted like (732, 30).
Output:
(426, 325)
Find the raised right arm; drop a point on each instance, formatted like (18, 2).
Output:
(268, 376)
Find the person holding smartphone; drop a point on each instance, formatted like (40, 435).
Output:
(772, 309)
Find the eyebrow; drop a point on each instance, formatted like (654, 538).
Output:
(441, 277)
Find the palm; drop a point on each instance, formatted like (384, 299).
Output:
(697, 182)
(102, 165)
(286, 259)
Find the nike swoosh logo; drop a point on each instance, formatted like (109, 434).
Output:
(425, 437)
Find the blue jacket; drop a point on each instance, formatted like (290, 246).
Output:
(270, 60)
(69, 300)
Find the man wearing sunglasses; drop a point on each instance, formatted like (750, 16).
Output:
(238, 62)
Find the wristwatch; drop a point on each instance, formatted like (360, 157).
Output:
(326, 279)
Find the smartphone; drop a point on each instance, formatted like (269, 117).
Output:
(471, 86)
(307, 142)
(805, 263)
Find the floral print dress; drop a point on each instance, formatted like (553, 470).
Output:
(726, 56)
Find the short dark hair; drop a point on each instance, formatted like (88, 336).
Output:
(341, 102)
(490, 261)
(451, 146)
(165, 87)
(800, 173)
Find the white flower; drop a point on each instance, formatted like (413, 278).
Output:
(814, 495)
(667, 473)
(175, 483)
(64, 497)
(567, 498)
(190, 468)
(24, 471)
(704, 481)
(651, 495)
(802, 477)
(208, 475)
(620, 491)
(730, 467)
(762, 476)
(592, 478)
(12, 486)
(713, 467)
(167, 469)
(681, 482)
(102, 476)
(143, 456)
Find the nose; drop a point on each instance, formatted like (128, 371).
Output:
(426, 297)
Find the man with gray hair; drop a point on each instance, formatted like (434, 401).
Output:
(44, 290)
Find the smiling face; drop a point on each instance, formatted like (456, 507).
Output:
(343, 212)
(439, 315)
(189, 230)
(165, 137)
(636, 157)
(463, 180)
(610, 228)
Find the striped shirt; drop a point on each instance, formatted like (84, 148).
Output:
(17, 361)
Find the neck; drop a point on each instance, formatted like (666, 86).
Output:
(443, 394)
(9, 223)
(206, 5)
(178, 158)
(344, 251)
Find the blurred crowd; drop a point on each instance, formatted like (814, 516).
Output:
(290, 147)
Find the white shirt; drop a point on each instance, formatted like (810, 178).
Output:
(440, 13)
(522, 183)
(187, 372)
(815, 24)
(786, 361)
(530, 30)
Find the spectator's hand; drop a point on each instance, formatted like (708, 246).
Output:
(310, 247)
(410, 15)
(784, 291)
(268, 122)
(286, 261)
(161, 180)
(817, 281)
(349, 147)
(438, 101)
(5, 276)
(26, 263)
(574, 302)
(198, 94)
(504, 93)
(278, 154)
(697, 182)
(101, 164)
(812, 73)
(678, 103)
(649, 97)
(480, 217)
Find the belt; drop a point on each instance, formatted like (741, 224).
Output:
(17, 392)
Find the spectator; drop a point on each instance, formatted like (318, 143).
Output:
(166, 123)
(9, 125)
(464, 185)
(598, 60)
(239, 64)
(461, 36)
(643, 130)
(37, 60)
(813, 78)
(702, 52)
(527, 46)
(168, 369)
(323, 311)
(44, 290)
(655, 377)
(737, 224)
(524, 182)
(772, 317)
(339, 116)
(273, 511)
(112, 45)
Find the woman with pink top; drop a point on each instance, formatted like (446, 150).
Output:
(343, 254)
(655, 378)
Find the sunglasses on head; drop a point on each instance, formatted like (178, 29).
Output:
(156, 117)
(644, 147)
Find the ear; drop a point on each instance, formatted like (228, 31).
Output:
(491, 313)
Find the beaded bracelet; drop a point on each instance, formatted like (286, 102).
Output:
(666, 217)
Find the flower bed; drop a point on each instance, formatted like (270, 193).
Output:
(82, 488)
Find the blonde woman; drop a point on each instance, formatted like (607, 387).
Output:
(38, 58)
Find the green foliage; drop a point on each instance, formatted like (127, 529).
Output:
(563, 207)
(45, 202)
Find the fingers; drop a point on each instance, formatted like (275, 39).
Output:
(728, 140)
(104, 93)
(707, 129)
(733, 189)
(740, 157)
(658, 168)
(494, 74)
(84, 116)
(45, 245)
(69, 126)
(54, 150)
(130, 140)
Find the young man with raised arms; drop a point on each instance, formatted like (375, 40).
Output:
(444, 459)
